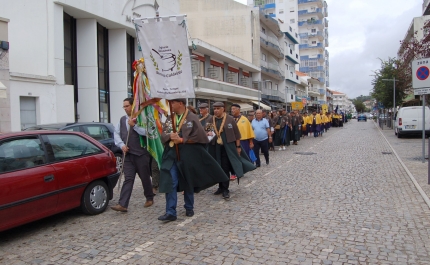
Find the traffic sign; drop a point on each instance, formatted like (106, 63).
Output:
(421, 75)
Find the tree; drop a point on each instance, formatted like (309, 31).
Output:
(416, 48)
(359, 106)
(383, 89)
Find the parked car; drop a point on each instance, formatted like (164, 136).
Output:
(409, 121)
(46, 172)
(362, 117)
(102, 132)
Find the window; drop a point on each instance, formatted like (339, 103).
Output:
(130, 60)
(263, 56)
(314, 42)
(281, 11)
(68, 146)
(21, 153)
(98, 132)
(292, 21)
(263, 30)
(70, 65)
(292, 10)
(72, 129)
(313, 30)
(103, 73)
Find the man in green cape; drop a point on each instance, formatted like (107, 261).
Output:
(226, 149)
(186, 165)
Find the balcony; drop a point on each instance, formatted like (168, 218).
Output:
(327, 83)
(271, 23)
(326, 42)
(321, 91)
(317, 11)
(275, 95)
(292, 35)
(319, 2)
(210, 87)
(309, 22)
(310, 46)
(292, 56)
(271, 44)
(321, 79)
(265, 3)
(307, 69)
(320, 57)
(313, 92)
(292, 77)
(320, 102)
(326, 22)
(272, 70)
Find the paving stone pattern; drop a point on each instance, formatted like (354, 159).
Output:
(333, 207)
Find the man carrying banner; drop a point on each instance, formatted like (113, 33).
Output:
(226, 149)
(137, 158)
(187, 166)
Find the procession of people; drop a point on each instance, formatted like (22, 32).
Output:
(203, 150)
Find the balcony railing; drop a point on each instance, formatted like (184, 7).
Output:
(310, 22)
(312, 57)
(262, 3)
(321, 91)
(272, 69)
(304, 12)
(310, 1)
(307, 69)
(311, 46)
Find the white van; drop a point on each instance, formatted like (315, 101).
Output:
(409, 121)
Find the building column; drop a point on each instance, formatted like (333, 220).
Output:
(225, 72)
(117, 72)
(87, 61)
(207, 65)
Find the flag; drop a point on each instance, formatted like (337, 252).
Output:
(147, 117)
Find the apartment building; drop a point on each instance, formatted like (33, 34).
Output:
(74, 61)
(313, 32)
(285, 14)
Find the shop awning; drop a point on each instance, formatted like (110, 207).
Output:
(262, 105)
(244, 106)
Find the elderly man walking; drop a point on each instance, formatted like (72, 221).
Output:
(262, 138)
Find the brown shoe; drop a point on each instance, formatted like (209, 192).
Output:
(119, 208)
(148, 203)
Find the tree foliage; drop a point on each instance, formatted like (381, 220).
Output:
(359, 105)
(401, 69)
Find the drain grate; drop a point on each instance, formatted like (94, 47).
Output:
(387, 153)
(305, 153)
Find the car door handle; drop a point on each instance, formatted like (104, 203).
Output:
(414, 120)
(49, 178)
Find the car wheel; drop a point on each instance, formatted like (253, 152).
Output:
(398, 135)
(118, 162)
(395, 132)
(95, 198)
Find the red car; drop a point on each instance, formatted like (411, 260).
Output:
(46, 172)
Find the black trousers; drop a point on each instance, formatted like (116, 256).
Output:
(136, 164)
(227, 168)
(264, 146)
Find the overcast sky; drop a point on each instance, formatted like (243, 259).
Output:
(360, 32)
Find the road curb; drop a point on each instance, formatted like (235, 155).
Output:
(417, 186)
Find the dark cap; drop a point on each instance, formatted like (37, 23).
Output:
(183, 100)
(203, 105)
(235, 105)
(218, 104)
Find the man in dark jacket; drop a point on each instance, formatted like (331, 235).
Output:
(137, 158)
(186, 166)
(226, 149)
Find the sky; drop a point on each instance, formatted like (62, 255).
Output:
(360, 32)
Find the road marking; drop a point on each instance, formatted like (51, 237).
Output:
(250, 184)
(269, 172)
(189, 220)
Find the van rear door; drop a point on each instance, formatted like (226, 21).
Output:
(410, 119)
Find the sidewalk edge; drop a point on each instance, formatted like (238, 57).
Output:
(417, 186)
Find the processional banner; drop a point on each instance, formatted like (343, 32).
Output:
(164, 45)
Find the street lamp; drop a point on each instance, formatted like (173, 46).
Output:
(394, 94)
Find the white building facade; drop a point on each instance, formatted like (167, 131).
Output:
(313, 32)
(74, 61)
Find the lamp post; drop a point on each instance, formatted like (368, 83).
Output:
(394, 95)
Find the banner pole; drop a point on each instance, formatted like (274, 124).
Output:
(174, 129)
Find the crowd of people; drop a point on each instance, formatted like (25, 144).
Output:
(203, 150)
